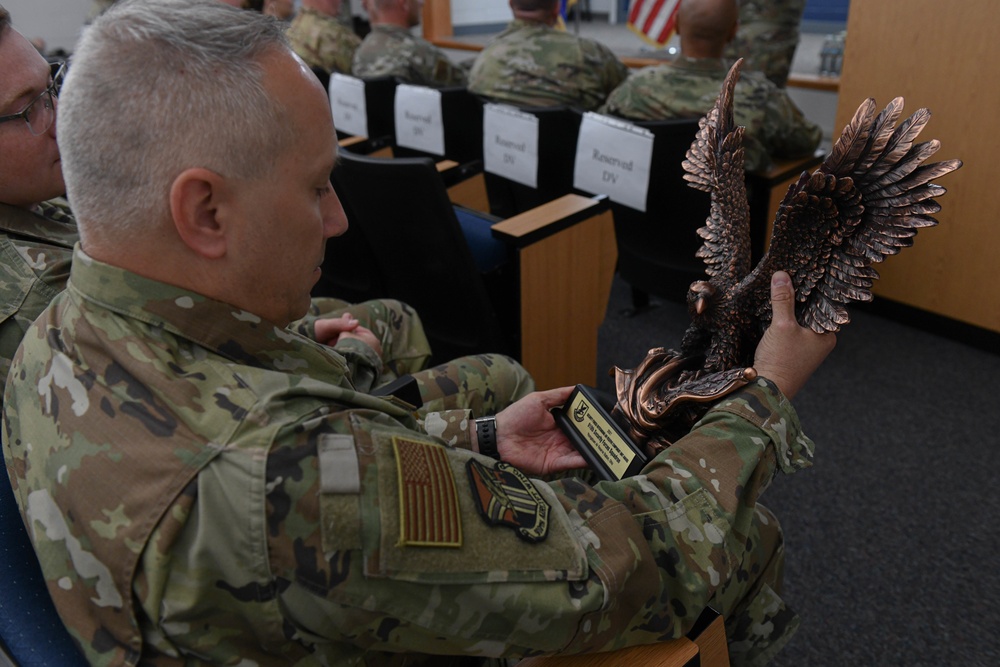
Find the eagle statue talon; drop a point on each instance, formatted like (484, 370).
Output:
(865, 202)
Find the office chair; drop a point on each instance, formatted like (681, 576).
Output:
(534, 286)
(401, 208)
(31, 633)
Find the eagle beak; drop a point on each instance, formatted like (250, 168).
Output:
(700, 305)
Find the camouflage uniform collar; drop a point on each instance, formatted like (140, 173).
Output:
(521, 24)
(391, 29)
(50, 222)
(701, 64)
(228, 331)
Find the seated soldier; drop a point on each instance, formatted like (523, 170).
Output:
(532, 63)
(390, 49)
(381, 339)
(767, 37)
(688, 86)
(204, 486)
(320, 38)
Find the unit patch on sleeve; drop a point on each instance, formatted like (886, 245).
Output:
(428, 498)
(505, 496)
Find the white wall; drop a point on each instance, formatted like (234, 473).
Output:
(475, 12)
(58, 22)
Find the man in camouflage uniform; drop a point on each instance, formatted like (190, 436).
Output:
(319, 37)
(688, 86)
(767, 37)
(391, 49)
(204, 486)
(381, 339)
(532, 63)
(37, 231)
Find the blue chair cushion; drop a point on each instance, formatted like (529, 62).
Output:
(488, 252)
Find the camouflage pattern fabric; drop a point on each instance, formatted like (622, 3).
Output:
(767, 37)
(262, 511)
(531, 64)
(405, 349)
(688, 87)
(390, 50)
(36, 248)
(322, 41)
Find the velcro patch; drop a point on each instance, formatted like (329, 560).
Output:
(505, 496)
(428, 498)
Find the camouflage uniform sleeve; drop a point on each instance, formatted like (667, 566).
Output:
(372, 568)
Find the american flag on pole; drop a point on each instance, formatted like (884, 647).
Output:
(653, 20)
(564, 7)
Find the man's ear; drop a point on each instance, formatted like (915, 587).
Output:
(196, 197)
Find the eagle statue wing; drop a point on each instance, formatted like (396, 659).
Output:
(714, 164)
(865, 202)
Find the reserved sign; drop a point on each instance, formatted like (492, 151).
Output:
(510, 143)
(613, 158)
(347, 102)
(419, 122)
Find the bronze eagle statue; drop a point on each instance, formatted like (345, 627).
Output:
(864, 202)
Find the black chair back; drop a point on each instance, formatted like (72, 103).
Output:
(402, 209)
(558, 128)
(462, 114)
(656, 248)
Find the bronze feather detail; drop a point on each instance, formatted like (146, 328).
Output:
(865, 202)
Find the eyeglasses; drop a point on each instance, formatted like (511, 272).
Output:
(41, 111)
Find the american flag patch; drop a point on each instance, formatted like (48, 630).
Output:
(428, 500)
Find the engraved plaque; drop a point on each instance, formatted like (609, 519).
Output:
(587, 420)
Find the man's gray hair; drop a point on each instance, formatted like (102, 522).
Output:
(157, 87)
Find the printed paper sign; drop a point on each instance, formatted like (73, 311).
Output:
(613, 158)
(419, 124)
(347, 102)
(510, 144)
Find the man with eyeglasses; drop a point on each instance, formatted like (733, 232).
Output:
(37, 230)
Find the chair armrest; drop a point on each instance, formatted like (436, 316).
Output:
(706, 643)
(363, 145)
(453, 172)
(549, 218)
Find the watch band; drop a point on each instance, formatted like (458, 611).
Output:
(486, 434)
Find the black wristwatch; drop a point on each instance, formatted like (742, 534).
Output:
(486, 434)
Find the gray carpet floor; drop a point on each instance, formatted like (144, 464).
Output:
(892, 544)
